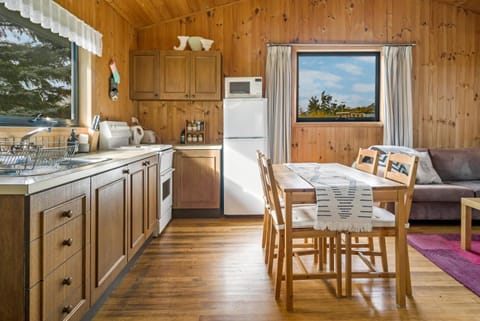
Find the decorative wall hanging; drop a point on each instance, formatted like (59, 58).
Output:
(114, 81)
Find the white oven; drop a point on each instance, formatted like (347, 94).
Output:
(165, 191)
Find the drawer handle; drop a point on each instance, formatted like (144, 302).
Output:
(126, 171)
(67, 281)
(68, 242)
(146, 163)
(67, 309)
(68, 213)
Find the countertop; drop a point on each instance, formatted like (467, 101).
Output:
(197, 146)
(16, 185)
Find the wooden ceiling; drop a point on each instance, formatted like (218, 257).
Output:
(144, 13)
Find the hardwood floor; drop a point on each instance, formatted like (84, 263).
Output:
(213, 270)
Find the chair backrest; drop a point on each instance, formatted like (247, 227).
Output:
(367, 160)
(273, 199)
(260, 155)
(402, 168)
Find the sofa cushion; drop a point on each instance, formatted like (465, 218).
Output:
(426, 174)
(454, 164)
(472, 185)
(440, 193)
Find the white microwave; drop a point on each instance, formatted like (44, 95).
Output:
(243, 87)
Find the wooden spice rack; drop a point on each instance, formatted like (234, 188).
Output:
(195, 132)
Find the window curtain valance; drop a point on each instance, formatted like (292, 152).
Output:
(52, 16)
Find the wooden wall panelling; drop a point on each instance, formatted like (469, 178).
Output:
(119, 38)
(444, 87)
(167, 119)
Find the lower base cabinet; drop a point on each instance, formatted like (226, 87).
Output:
(66, 245)
(109, 228)
(196, 179)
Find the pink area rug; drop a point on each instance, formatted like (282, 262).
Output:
(444, 251)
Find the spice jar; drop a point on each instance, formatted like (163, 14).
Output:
(200, 138)
(194, 138)
(189, 138)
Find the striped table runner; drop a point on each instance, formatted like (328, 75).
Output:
(343, 203)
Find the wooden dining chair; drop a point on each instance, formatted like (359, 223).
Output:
(401, 168)
(367, 161)
(302, 227)
(266, 216)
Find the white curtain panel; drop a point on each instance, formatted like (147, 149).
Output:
(398, 120)
(278, 91)
(53, 17)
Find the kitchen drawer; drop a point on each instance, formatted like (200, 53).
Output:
(53, 202)
(64, 293)
(62, 213)
(62, 243)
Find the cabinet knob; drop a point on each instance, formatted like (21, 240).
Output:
(186, 95)
(146, 163)
(126, 171)
(67, 308)
(67, 281)
(68, 242)
(68, 213)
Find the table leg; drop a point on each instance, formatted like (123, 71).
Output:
(466, 227)
(400, 251)
(288, 251)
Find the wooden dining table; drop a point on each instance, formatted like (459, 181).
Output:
(296, 190)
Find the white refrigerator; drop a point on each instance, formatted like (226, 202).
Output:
(244, 132)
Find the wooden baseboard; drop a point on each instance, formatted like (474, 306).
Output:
(197, 213)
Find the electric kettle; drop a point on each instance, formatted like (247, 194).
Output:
(137, 134)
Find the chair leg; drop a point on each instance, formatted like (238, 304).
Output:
(371, 247)
(268, 236)
(338, 263)
(265, 227)
(280, 263)
(408, 276)
(331, 252)
(383, 251)
(271, 249)
(348, 265)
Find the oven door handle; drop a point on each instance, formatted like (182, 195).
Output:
(168, 171)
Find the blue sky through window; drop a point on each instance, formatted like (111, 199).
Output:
(350, 78)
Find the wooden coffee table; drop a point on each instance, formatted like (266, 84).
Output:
(466, 223)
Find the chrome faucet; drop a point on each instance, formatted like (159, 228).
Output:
(26, 138)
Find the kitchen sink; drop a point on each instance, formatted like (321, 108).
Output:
(69, 163)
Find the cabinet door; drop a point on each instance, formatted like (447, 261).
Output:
(175, 75)
(144, 75)
(136, 215)
(109, 228)
(197, 179)
(152, 175)
(205, 81)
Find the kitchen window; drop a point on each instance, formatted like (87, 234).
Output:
(38, 74)
(337, 86)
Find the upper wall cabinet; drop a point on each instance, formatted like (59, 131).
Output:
(144, 75)
(190, 75)
(175, 75)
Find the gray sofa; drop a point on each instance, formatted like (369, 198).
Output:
(444, 176)
(459, 171)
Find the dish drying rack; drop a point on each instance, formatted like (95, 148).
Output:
(27, 156)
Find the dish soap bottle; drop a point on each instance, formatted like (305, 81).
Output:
(72, 143)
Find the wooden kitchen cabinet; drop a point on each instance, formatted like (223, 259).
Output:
(190, 75)
(46, 251)
(109, 228)
(196, 179)
(142, 214)
(144, 75)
